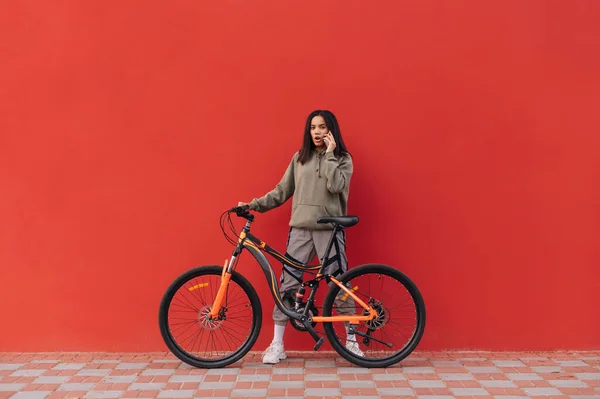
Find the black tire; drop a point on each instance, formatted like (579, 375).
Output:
(420, 315)
(175, 347)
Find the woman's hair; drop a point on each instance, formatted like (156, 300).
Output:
(332, 124)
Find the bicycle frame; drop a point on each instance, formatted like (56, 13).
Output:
(256, 247)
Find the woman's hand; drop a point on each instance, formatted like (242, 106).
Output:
(329, 142)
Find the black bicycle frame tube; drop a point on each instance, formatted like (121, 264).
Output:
(300, 266)
(270, 275)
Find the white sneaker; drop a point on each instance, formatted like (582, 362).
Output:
(274, 353)
(353, 347)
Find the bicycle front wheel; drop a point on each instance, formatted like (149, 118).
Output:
(205, 343)
(399, 324)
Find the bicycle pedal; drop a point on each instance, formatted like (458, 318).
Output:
(313, 334)
(319, 343)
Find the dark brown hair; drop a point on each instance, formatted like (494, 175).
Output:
(331, 122)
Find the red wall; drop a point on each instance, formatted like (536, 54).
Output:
(126, 128)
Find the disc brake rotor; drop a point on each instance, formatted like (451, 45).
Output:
(383, 316)
(208, 324)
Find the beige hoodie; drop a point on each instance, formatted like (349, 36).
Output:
(320, 188)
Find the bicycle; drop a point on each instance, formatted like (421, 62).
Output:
(218, 301)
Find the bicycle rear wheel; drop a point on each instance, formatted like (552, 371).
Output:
(397, 329)
(195, 339)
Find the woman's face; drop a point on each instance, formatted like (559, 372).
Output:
(318, 129)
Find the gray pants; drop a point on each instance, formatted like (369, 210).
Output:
(303, 245)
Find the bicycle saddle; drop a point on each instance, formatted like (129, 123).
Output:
(345, 221)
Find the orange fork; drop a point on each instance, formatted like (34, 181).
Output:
(225, 277)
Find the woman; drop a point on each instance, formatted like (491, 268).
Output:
(318, 177)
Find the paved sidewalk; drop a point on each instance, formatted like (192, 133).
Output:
(436, 375)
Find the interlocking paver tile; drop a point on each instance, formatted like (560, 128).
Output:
(456, 376)
(69, 366)
(131, 366)
(249, 393)
(76, 387)
(418, 370)
(146, 386)
(436, 397)
(286, 384)
(544, 391)
(183, 393)
(357, 384)
(31, 395)
(396, 391)
(427, 384)
(571, 363)
(497, 384)
(322, 392)
(319, 363)
(11, 366)
(546, 369)
(469, 391)
(290, 370)
(93, 372)
(352, 370)
(321, 377)
(588, 376)
(508, 363)
(9, 387)
(103, 394)
(524, 376)
(483, 369)
(388, 377)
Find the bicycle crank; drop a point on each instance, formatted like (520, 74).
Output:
(310, 312)
(307, 321)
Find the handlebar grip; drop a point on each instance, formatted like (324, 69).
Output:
(240, 209)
